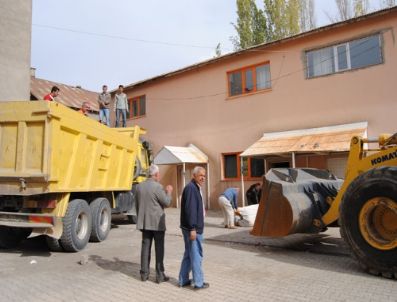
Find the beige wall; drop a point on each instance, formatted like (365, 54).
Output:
(193, 107)
(15, 40)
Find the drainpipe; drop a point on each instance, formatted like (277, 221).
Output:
(242, 182)
(293, 159)
(208, 186)
(183, 177)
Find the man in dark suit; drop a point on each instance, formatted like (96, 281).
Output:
(192, 225)
(151, 201)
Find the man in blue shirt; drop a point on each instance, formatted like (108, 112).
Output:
(192, 225)
(228, 203)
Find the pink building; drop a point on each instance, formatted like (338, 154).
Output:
(339, 78)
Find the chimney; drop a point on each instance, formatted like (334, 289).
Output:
(32, 72)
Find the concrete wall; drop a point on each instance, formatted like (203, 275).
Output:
(15, 45)
(194, 107)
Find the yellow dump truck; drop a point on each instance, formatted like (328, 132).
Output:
(62, 173)
(364, 205)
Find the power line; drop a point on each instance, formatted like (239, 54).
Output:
(102, 35)
(121, 37)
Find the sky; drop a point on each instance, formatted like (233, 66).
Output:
(94, 42)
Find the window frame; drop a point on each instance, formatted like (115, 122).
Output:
(130, 106)
(243, 71)
(335, 58)
(239, 159)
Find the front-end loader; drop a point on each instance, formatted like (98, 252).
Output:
(364, 205)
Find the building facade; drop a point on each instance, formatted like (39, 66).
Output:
(339, 74)
(15, 41)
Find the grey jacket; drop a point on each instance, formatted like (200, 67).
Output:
(151, 200)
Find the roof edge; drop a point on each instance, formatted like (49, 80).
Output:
(264, 45)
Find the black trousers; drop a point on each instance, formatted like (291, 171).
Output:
(147, 239)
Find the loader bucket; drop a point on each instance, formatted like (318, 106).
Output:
(292, 199)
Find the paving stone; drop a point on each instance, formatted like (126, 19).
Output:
(238, 266)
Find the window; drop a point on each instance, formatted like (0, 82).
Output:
(249, 79)
(252, 167)
(137, 106)
(257, 167)
(345, 56)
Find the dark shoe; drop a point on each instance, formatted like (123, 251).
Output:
(205, 285)
(186, 284)
(162, 278)
(144, 278)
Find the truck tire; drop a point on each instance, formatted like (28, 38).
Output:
(76, 226)
(368, 217)
(101, 214)
(11, 237)
(54, 245)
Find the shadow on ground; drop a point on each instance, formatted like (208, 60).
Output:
(34, 246)
(315, 243)
(318, 250)
(127, 268)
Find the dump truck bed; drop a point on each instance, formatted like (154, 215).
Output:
(46, 147)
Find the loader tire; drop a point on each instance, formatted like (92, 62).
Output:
(101, 214)
(54, 245)
(76, 226)
(368, 217)
(11, 237)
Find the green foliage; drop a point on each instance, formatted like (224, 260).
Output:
(360, 7)
(278, 19)
(307, 17)
(251, 25)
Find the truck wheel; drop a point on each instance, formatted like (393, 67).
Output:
(11, 237)
(54, 245)
(368, 216)
(76, 226)
(101, 214)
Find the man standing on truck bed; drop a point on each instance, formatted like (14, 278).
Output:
(121, 106)
(104, 99)
(53, 94)
(151, 201)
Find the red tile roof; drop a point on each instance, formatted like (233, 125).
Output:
(69, 96)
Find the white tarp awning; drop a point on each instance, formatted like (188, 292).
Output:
(313, 140)
(169, 155)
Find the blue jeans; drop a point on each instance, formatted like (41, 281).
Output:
(123, 113)
(192, 259)
(104, 114)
